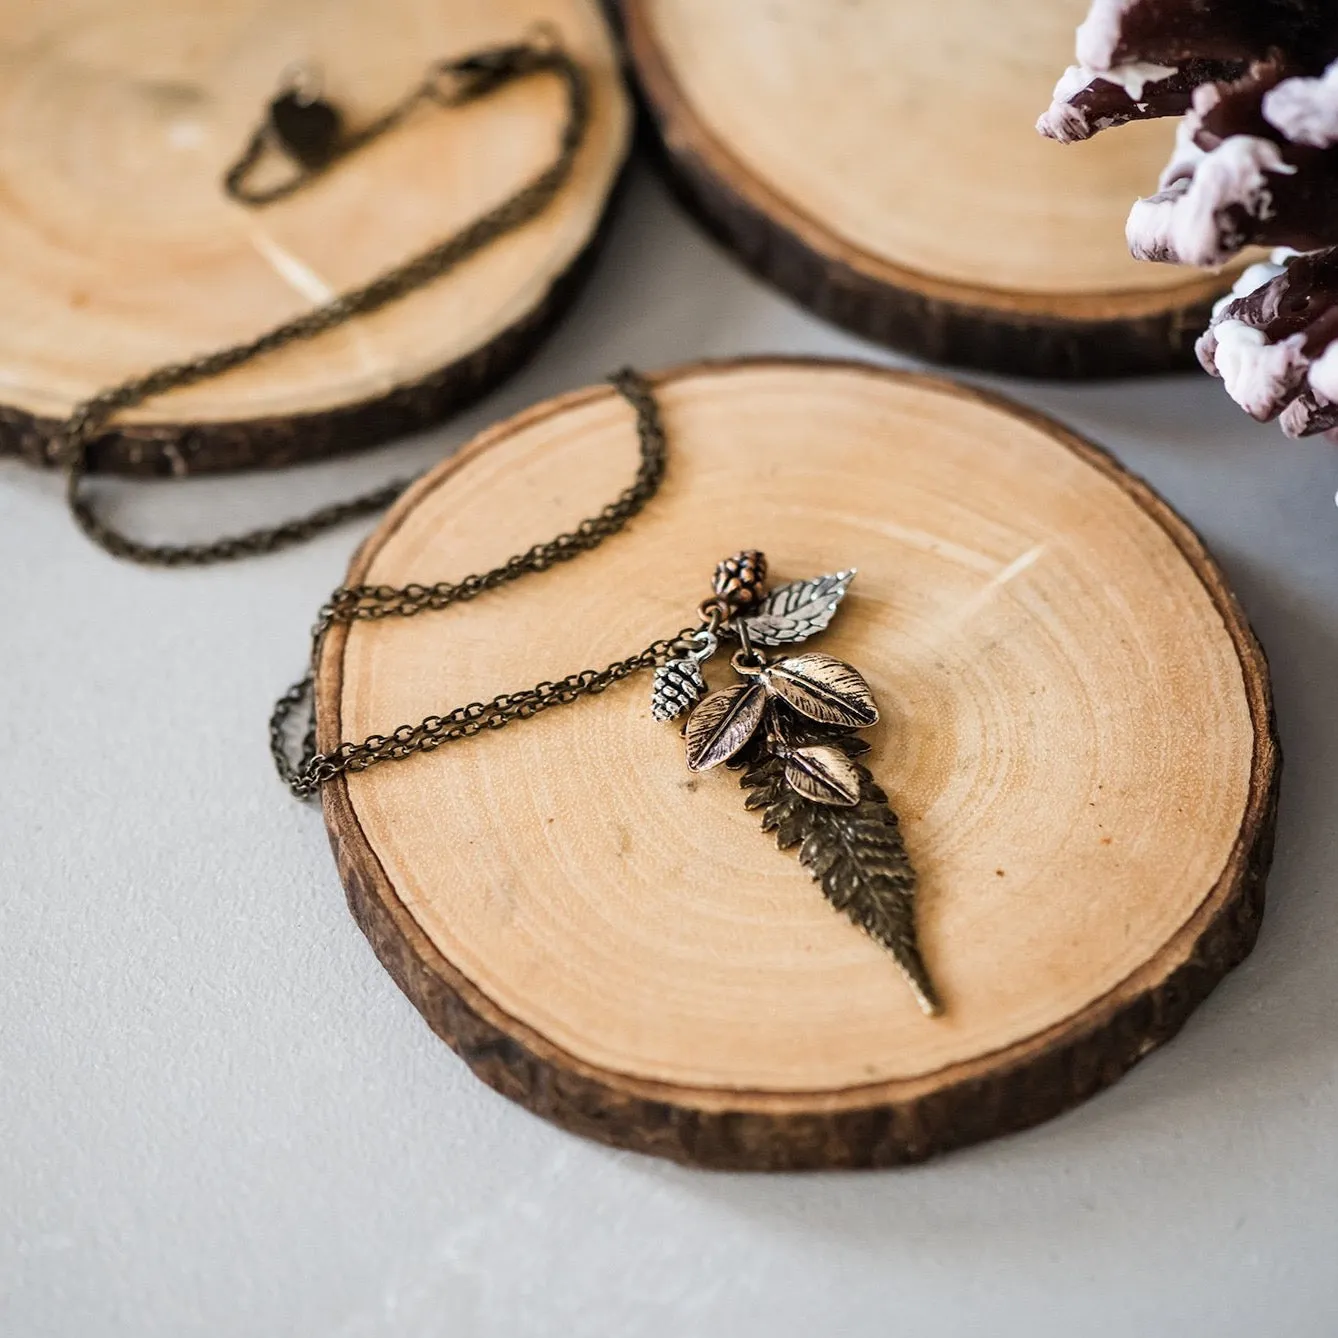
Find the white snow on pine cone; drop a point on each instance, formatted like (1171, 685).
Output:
(1066, 123)
(1324, 375)
(1295, 418)
(1298, 418)
(1134, 75)
(1185, 222)
(1306, 110)
(1186, 155)
(1098, 34)
(1150, 229)
(1261, 377)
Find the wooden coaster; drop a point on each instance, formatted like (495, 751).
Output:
(879, 163)
(120, 252)
(1076, 733)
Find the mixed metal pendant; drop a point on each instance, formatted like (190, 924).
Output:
(789, 725)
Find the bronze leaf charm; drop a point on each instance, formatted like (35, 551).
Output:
(823, 689)
(823, 774)
(722, 723)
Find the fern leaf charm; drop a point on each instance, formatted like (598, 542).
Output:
(790, 725)
(855, 852)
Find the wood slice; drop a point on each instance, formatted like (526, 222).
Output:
(878, 162)
(1076, 733)
(119, 250)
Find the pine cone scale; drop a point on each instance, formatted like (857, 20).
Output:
(1256, 164)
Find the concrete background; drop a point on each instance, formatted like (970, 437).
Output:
(219, 1116)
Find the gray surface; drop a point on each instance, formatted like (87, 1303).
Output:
(221, 1118)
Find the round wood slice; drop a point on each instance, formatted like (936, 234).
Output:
(119, 250)
(1076, 733)
(879, 163)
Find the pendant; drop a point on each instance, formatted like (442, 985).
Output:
(790, 724)
(307, 128)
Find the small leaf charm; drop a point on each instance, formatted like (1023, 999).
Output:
(823, 689)
(722, 723)
(677, 686)
(797, 611)
(823, 774)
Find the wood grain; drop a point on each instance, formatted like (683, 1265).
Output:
(878, 162)
(1076, 731)
(120, 252)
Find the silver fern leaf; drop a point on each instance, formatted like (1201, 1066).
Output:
(795, 612)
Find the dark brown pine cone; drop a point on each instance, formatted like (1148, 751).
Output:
(1255, 164)
(741, 580)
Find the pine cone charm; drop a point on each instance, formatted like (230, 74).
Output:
(741, 580)
(678, 686)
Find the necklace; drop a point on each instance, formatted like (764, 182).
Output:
(789, 724)
(307, 132)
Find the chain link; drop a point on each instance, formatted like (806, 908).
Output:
(450, 83)
(305, 775)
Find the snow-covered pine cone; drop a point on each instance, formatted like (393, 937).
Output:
(1255, 164)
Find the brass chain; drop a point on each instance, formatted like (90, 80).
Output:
(450, 83)
(305, 775)
(436, 87)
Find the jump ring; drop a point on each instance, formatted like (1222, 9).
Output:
(749, 664)
(709, 644)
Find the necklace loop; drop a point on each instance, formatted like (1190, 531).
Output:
(306, 772)
(88, 421)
